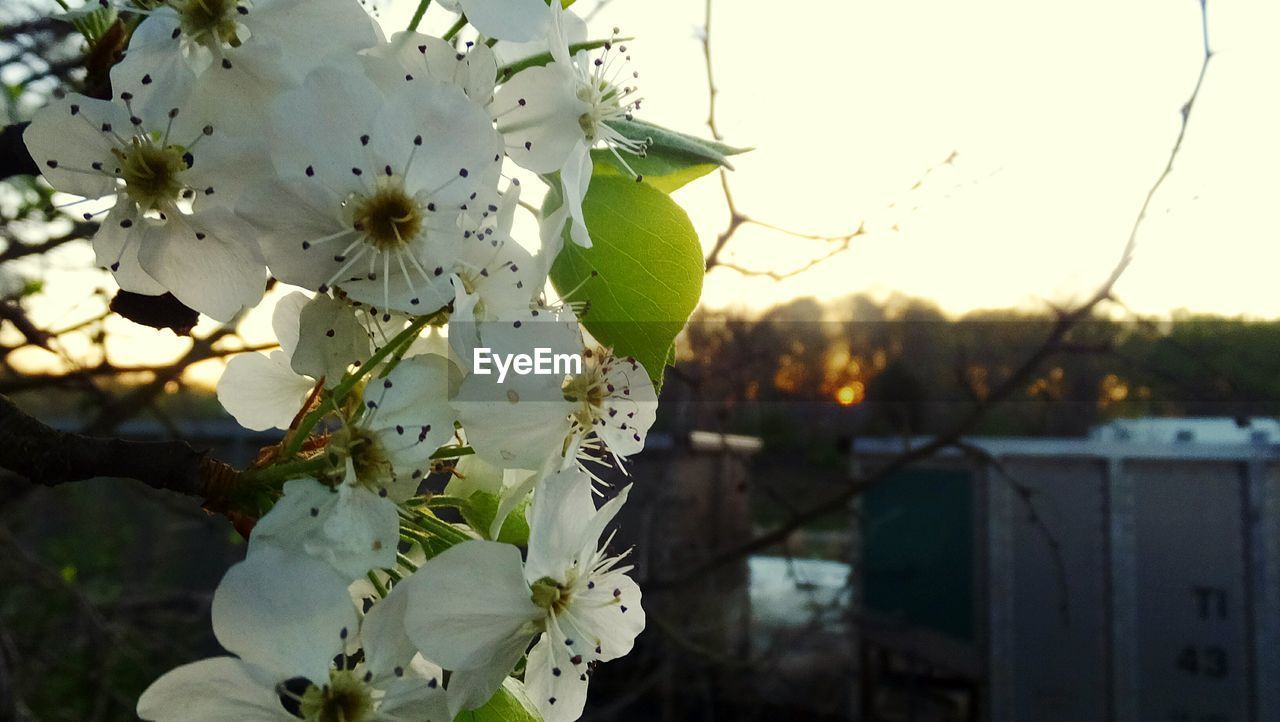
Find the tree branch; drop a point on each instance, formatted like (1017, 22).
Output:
(15, 250)
(49, 457)
(27, 382)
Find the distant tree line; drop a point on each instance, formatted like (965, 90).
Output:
(856, 366)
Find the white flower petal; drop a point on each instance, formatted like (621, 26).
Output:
(212, 690)
(261, 391)
(333, 340)
(522, 427)
(360, 532)
(352, 528)
(605, 514)
(561, 528)
(386, 645)
(557, 686)
(538, 111)
(418, 695)
(474, 71)
(517, 421)
(516, 20)
(284, 612)
(116, 245)
(459, 148)
(155, 55)
(283, 46)
(574, 179)
(470, 608)
(208, 261)
(285, 320)
(572, 30)
(411, 414)
(65, 139)
(630, 404)
(608, 615)
(321, 123)
(299, 228)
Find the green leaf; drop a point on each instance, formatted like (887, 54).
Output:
(671, 160)
(508, 704)
(661, 173)
(479, 513)
(643, 274)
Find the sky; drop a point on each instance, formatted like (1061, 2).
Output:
(1060, 117)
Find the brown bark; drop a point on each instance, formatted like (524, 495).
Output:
(48, 457)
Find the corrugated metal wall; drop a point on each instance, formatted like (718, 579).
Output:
(1140, 585)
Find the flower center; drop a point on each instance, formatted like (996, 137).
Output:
(151, 173)
(602, 104)
(588, 389)
(548, 594)
(368, 458)
(345, 699)
(389, 218)
(208, 21)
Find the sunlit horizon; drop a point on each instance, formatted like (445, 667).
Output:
(1058, 130)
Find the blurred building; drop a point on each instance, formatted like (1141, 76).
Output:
(1133, 576)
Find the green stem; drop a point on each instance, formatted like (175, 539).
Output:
(415, 536)
(432, 525)
(452, 452)
(455, 29)
(377, 585)
(507, 71)
(348, 384)
(432, 502)
(298, 437)
(291, 470)
(406, 562)
(417, 15)
(404, 338)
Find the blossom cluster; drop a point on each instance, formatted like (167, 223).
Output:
(289, 139)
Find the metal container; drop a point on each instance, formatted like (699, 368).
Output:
(1121, 577)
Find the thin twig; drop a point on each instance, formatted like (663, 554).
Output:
(737, 219)
(1026, 495)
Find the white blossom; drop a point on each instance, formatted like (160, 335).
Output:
(614, 400)
(371, 190)
(236, 55)
(552, 115)
(475, 607)
(473, 70)
(168, 171)
(330, 337)
(350, 525)
(407, 417)
(287, 618)
(521, 421)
